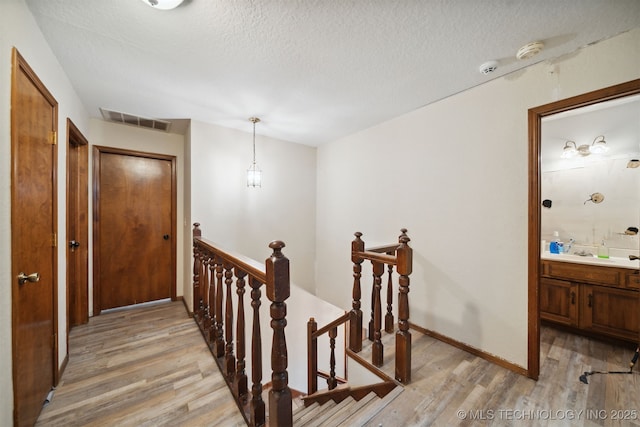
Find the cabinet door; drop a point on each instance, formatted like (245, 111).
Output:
(559, 301)
(612, 311)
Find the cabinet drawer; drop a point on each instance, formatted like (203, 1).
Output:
(632, 280)
(591, 274)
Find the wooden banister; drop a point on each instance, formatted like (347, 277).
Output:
(215, 270)
(313, 333)
(400, 256)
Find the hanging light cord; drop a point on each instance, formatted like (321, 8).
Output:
(254, 120)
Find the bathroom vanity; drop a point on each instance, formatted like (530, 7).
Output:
(595, 296)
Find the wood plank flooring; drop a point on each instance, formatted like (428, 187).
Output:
(149, 366)
(451, 387)
(145, 366)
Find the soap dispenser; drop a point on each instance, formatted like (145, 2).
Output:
(603, 250)
(554, 245)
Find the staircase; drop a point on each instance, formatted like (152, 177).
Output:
(349, 412)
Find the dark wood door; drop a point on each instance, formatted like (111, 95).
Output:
(77, 227)
(33, 241)
(135, 240)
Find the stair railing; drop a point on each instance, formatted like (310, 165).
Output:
(313, 333)
(399, 255)
(213, 278)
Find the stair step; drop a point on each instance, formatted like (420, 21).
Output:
(301, 411)
(320, 420)
(339, 417)
(309, 415)
(369, 411)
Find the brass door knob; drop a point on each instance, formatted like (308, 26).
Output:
(33, 277)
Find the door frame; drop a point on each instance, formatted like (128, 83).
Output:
(535, 129)
(19, 64)
(78, 212)
(97, 150)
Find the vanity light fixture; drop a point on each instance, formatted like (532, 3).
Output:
(569, 151)
(599, 145)
(254, 174)
(163, 4)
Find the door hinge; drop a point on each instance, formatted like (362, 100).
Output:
(53, 137)
(54, 240)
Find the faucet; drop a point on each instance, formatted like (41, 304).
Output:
(567, 248)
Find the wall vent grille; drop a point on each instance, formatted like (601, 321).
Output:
(130, 119)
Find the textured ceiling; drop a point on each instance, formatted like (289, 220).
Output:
(312, 70)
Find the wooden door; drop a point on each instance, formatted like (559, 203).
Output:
(134, 240)
(33, 241)
(77, 227)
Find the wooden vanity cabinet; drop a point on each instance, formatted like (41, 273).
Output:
(603, 301)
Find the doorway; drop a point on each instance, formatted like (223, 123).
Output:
(535, 129)
(34, 118)
(134, 227)
(77, 227)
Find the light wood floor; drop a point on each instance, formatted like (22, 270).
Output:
(149, 366)
(451, 387)
(145, 366)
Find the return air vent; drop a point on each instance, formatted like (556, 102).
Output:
(130, 119)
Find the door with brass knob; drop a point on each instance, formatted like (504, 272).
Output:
(33, 243)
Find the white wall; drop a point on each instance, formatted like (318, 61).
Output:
(148, 141)
(245, 219)
(455, 174)
(18, 28)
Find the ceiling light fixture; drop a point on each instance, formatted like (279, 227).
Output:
(529, 50)
(633, 163)
(163, 4)
(254, 174)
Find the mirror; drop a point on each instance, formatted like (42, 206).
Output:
(595, 193)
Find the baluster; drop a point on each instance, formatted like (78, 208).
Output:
(219, 317)
(377, 348)
(278, 290)
(202, 283)
(196, 268)
(257, 404)
(331, 381)
(241, 375)
(355, 316)
(312, 356)
(211, 306)
(373, 309)
(388, 318)
(206, 321)
(403, 336)
(229, 358)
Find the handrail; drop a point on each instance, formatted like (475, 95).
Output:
(339, 321)
(398, 255)
(248, 265)
(312, 352)
(214, 269)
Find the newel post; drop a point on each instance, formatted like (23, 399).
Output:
(278, 290)
(355, 315)
(196, 268)
(403, 337)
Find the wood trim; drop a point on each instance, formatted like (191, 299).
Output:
(97, 150)
(470, 349)
(535, 116)
(368, 366)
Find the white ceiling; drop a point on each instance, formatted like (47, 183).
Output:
(312, 70)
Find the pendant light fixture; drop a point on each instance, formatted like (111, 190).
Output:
(254, 174)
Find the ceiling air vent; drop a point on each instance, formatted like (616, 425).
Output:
(130, 119)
